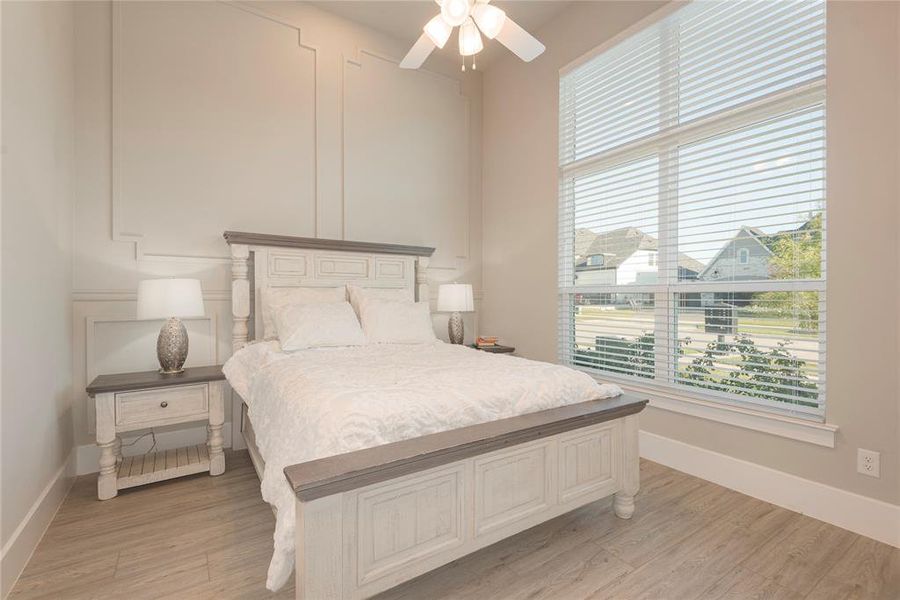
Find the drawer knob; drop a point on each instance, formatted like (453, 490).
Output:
(163, 404)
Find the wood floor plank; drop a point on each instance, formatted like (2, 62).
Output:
(695, 563)
(869, 570)
(744, 584)
(578, 572)
(801, 554)
(210, 538)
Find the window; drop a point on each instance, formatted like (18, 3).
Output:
(595, 260)
(701, 133)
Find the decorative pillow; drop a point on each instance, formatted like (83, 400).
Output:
(394, 322)
(302, 326)
(275, 298)
(358, 294)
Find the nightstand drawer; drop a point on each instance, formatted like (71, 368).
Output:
(159, 406)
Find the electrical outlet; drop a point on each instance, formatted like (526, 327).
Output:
(868, 462)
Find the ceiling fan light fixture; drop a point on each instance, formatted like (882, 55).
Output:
(438, 31)
(469, 39)
(490, 19)
(454, 12)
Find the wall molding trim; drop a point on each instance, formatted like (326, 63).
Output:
(355, 59)
(86, 457)
(21, 544)
(847, 510)
(113, 295)
(137, 238)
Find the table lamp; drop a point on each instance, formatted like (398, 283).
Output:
(170, 299)
(455, 298)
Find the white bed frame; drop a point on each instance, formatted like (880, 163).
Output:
(370, 520)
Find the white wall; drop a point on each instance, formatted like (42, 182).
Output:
(197, 117)
(36, 322)
(520, 251)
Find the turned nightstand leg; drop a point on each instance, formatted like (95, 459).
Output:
(623, 505)
(215, 440)
(106, 440)
(117, 449)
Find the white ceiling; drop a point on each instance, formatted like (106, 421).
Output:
(404, 19)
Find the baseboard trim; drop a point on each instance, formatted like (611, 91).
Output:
(859, 514)
(88, 455)
(17, 550)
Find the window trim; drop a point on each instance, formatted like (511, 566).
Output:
(803, 430)
(681, 399)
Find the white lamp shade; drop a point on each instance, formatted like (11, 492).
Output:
(489, 18)
(164, 298)
(469, 39)
(454, 12)
(455, 297)
(438, 31)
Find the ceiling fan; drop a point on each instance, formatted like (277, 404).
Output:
(471, 16)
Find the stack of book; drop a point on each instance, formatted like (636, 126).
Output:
(485, 341)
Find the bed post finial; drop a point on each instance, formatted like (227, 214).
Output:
(422, 293)
(240, 295)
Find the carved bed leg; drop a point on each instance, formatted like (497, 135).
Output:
(623, 505)
(319, 545)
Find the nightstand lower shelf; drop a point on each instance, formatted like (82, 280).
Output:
(162, 465)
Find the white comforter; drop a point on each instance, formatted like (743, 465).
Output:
(320, 402)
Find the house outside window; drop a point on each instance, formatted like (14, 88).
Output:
(699, 143)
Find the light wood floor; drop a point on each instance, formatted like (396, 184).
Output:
(211, 537)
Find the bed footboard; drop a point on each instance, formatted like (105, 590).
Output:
(370, 520)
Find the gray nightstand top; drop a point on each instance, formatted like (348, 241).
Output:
(123, 382)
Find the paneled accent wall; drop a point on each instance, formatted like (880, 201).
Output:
(276, 117)
(410, 194)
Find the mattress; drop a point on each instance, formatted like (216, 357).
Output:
(325, 401)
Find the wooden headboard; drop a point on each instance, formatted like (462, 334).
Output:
(260, 261)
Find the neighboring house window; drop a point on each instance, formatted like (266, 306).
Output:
(595, 260)
(744, 256)
(708, 123)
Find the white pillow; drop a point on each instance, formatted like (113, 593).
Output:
(393, 322)
(358, 295)
(275, 298)
(302, 326)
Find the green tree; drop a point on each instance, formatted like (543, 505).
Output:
(795, 255)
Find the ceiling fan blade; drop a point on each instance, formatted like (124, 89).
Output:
(418, 53)
(520, 42)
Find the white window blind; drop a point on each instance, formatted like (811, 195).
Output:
(692, 206)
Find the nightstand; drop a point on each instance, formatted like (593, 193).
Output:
(132, 401)
(498, 349)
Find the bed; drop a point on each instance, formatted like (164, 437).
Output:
(385, 461)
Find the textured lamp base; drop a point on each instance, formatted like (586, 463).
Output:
(172, 346)
(455, 328)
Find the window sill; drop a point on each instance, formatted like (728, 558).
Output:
(820, 434)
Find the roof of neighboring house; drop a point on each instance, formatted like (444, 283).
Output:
(750, 233)
(617, 245)
(767, 241)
